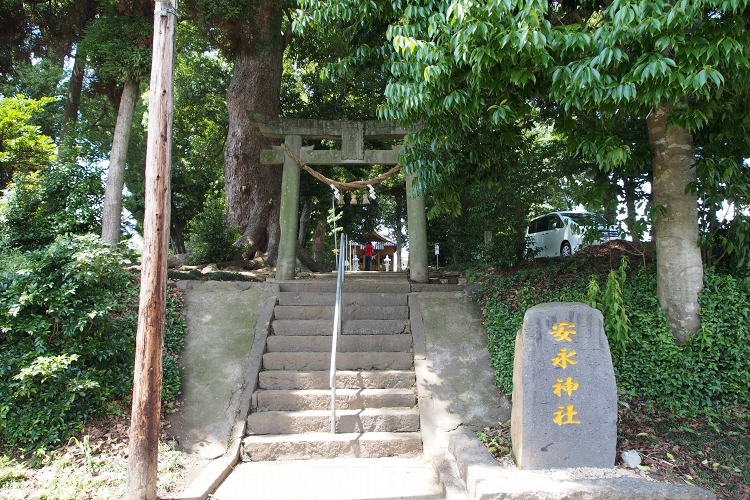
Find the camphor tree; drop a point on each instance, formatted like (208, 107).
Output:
(250, 34)
(462, 65)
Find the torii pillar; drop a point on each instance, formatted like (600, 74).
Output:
(352, 136)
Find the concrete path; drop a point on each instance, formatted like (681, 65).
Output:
(335, 479)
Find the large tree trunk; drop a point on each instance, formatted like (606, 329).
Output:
(318, 242)
(254, 190)
(679, 268)
(177, 234)
(112, 212)
(304, 220)
(73, 101)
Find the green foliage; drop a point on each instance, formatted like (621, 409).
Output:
(211, 236)
(497, 439)
(68, 317)
(612, 306)
(226, 276)
(475, 75)
(119, 46)
(200, 127)
(23, 148)
(703, 375)
(63, 354)
(193, 274)
(37, 206)
(723, 188)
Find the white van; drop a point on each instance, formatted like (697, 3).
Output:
(562, 233)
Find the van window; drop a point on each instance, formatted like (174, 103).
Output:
(543, 224)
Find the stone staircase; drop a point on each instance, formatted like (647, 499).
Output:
(376, 413)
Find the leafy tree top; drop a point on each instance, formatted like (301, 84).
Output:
(22, 145)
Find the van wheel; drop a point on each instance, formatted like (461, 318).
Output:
(565, 250)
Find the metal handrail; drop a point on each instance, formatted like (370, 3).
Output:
(336, 330)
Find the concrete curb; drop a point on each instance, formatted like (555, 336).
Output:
(486, 480)
(453, 487)
(217, 470)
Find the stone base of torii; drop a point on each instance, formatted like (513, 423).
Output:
(352, 136)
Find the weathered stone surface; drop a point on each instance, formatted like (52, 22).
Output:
(368, 420)
(349, 312)
(211, 268)
(347, 299)
(346, 399)
(348, 326)
(387, 379)
(564, 393)
(315, 361)
(319, 445)
(345, 343)
(272, 126)
(288, 216)
(631, 458)
(350, 287)
(176, 260)
(509, 487)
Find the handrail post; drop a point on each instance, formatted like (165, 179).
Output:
(336, 330)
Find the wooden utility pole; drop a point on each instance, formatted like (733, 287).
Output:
(144, 423)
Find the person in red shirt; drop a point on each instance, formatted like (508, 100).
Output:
(368, 255)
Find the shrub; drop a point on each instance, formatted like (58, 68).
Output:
(23, 148)
(211, 236)
(708, 372)
(68, 318)
(37, 206)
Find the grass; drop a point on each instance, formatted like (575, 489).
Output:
(74, 473)
(93, 465)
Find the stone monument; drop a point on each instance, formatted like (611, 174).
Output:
(564, 393)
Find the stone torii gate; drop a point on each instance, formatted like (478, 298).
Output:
(352, 136)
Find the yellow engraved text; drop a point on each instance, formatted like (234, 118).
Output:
(563, 330)
(565, 415)
(564, 357)
(568, 386)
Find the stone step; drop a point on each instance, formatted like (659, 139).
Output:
(347, 299)
(318, 399)
(345, 343)
(348, 312)
(348, 327)
(402, 286)
(312, 361)
(326, 445)
(345, 379)
(369, 420)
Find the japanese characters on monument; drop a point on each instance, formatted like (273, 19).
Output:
(564, 393)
